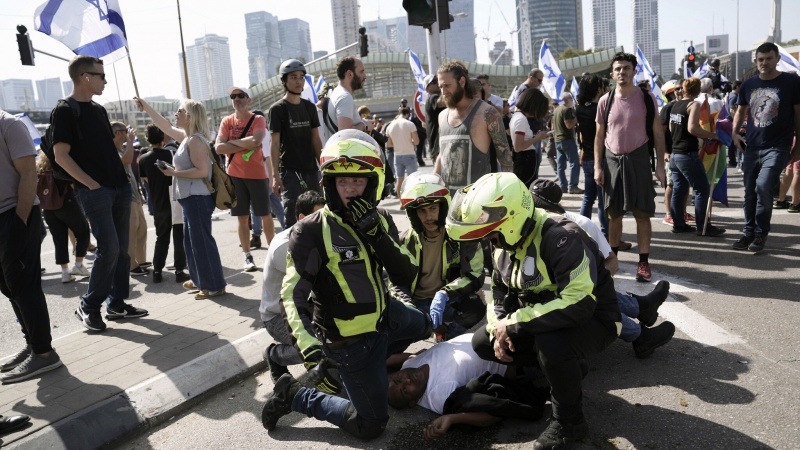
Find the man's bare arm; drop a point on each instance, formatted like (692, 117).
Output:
(26, 190)
(249, 142)
(497, 132)
(63, 158)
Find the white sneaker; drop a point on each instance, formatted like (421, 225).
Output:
(79, 270)
(249, 265)
(67, 277)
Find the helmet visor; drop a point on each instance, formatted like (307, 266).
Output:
(488, 216)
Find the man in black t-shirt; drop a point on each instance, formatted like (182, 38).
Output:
(296, 145)
(84, 147)
(160, 185)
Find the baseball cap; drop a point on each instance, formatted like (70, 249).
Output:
(669, 86)
(547, 195)
(235, 88)
(428, 80)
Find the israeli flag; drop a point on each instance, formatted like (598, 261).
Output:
(645, 72)
(687, 72)
(512, 98)
(309, 93)
(554, 81)
(574, 89)
(35, 135)
(416, 69)
(702, 72)
(787, 63)
(87, 27)
(319, 84)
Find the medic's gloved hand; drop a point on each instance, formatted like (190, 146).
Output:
(320, 374)
(437, 308)
(365, 217)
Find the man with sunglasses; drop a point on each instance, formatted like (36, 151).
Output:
(240, 136)
(534, 80)
(84, 147)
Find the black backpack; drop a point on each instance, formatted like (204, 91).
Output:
(326, 118)
(47, 139)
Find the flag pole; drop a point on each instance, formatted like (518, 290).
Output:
(183, 52)
(119, 97)
(711, 192)
(133, 75)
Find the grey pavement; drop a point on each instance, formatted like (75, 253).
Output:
(191, 373)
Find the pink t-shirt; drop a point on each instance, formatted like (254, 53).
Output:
(626, 122)
(231, 128)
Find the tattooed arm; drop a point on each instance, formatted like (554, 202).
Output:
(497, 132)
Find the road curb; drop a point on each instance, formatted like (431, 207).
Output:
(151, 401)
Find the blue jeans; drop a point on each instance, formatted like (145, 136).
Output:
(363, 372)
(762, 169)
(568, 151)
(276, 208)
(592, 191)
(295, 182)
(688, 169)
(202, 254)
(108, 210)
(629, 307)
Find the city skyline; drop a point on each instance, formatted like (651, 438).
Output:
(153, 34)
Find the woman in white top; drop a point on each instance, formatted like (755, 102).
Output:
(532, 108)
(193, 164)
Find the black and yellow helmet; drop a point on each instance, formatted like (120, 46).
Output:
(421, 190)
(352, 153)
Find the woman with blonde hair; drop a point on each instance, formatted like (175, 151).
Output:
(60, 221)
(192, 164)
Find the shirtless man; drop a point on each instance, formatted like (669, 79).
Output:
(467, 128)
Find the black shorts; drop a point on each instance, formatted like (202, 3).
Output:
(251, 192)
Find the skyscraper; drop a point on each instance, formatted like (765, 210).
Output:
(501, 54)
(456, 43)
(17, 95)
(263, 45)
(667, 62)
(388, 35)
(645, 31)
(346, 22)
(295, 36)
(209, 64)
(558, 21)
(48, 92)
(604, 19)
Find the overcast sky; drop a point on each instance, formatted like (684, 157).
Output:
(154, 41)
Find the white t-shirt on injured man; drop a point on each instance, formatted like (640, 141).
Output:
(452, 364)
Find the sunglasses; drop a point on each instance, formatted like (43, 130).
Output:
(97, 74)
(240, 95)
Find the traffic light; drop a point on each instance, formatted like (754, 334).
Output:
(363, 42)
(445, 18)
(25, 46)
(421, 12)
(690, 61)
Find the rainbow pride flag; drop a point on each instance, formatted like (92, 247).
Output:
(715, 149)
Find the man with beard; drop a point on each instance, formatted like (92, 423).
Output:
(342, 110)
(467, 129)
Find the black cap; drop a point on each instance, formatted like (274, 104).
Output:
(547, 195)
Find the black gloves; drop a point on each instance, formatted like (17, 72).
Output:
(365, 217)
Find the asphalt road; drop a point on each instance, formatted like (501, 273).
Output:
(729, 379)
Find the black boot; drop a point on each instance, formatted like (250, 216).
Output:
(279, 403)
(649, 304)
(652, 338)
(275, 370)
(559, 436)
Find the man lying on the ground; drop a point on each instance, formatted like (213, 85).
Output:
(448, 379)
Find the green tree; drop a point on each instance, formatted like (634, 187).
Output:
(573, 52)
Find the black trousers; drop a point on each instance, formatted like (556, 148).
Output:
(60, 221)
(558, 354)
(163, 223)
(21, 279)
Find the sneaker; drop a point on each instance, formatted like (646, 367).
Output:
(758, 243)
(740, 171)
(667, 220)
(188, 284)
(249, 265)
(181, 277)
(649, 304)
(127, 312)
(559, 435)
(202, 295)
(91, 248)
(688, 218)
(275, 370)
(743, 243)
(781, 204)
(91, 320)
(652, 338)
(146, 264)
(643, 272)
(623, 246)
(157, 277)
(575, 190)
(684, 229)
(67, 277)
(255, 241)
(32, 366)
(794, 208)
(17, 359)
(279, 402)
(139, 271)
(711, 231)
(80, 271)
